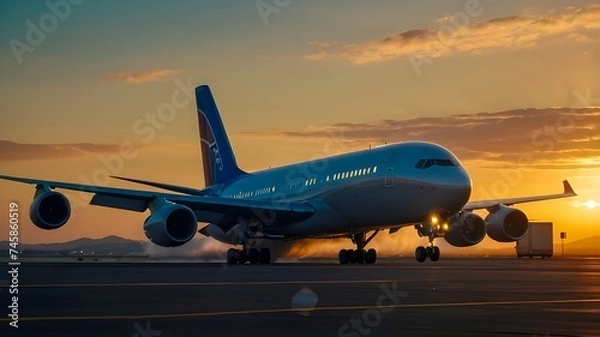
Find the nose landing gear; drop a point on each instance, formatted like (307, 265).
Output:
(432, 252)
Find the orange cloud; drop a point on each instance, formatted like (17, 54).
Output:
(459, 36)
(543, 138)
(140, 77)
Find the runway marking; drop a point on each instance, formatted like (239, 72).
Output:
(190, 284)
(288, 310)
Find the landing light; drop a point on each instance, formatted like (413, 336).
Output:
(445, 227)
(434, 220)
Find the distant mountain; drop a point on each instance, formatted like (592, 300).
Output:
(104, 246)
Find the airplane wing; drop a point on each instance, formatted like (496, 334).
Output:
(567, 192)
(174, 188)
(206, 208)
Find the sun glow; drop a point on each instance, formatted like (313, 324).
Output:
(591, 204)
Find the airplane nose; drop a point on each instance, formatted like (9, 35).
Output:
(464, 183)
(458, 189)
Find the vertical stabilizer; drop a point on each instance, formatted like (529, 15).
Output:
(217, 155)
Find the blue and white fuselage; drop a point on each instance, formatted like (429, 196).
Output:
(363, 190)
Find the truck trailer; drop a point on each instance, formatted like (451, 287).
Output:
(537, 242)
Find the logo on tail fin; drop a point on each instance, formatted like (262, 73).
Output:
(210, 149)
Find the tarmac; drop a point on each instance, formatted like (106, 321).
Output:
(451, 297)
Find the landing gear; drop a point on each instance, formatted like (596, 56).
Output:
(431, 230)
(359, 255)
(422, 253)
(252, 255)
(432, 252)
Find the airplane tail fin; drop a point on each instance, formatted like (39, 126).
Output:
(219, 161)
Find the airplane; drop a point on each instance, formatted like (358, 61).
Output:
(354, 195)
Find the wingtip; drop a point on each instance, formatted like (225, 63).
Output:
(567, 188)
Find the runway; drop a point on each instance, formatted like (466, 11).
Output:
(453, 297)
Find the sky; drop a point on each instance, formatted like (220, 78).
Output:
(96, 87)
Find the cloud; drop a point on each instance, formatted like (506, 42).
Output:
(454, 35)
(10, 151)
(544, 138)
(140, 77)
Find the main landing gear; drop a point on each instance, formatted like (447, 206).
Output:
(252, 255)
(359, 255)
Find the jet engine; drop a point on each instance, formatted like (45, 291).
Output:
(171, 225)
(505, 224)
(49, 210)
(466, 229)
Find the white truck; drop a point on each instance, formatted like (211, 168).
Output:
(537, 242)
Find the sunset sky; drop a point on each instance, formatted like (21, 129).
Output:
(511, 87)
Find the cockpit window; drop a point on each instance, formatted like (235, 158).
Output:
(444, 162)
(427, 163)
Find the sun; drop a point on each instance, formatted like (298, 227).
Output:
(591, 204)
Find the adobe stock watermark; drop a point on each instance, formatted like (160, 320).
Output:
(13, 264)
(456, 23)
(372, 317)
(145, 331)
(300, 174)
(305, 301)
(146, 127)
(544, 139)
(37, 32)
(267, 8)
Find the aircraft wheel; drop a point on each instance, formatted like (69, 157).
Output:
(342, 257)
(351, 256)
(243, 258)
(435, 254)
(233, 256)
(371, 256)
(420, 254)
(253, 255)
(359, 256)
(265, 256)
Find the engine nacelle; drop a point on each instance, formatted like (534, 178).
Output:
(466, 229)
(49, 210)
(171, 225)
(505, 224)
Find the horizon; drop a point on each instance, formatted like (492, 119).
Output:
(511, 91)
(567, 241)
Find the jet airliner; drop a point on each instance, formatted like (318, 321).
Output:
(354, 195)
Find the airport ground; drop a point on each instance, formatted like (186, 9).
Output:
(453, 297)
